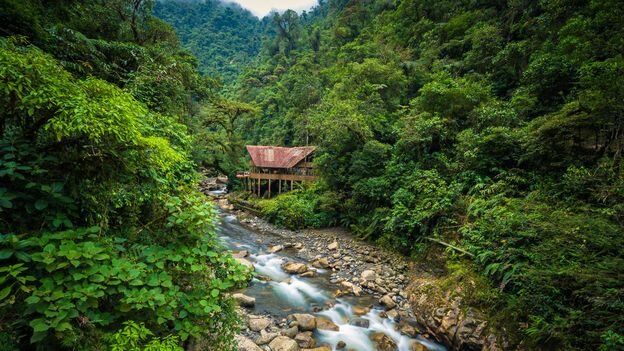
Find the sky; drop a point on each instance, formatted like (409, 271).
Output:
(261, 8)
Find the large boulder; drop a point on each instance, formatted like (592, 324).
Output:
(294, 267)
(258, 323)
(383, 342)
(245, 344)
(323, 323)
(306, 322)
(283, 343)
(387, 301)
(305, 340)
(369, 275)
(244, 300)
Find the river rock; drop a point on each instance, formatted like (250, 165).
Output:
(307, 274)
(356, 290)
(240, 254)
(320, 348)
(275, 248)
(283, 343)
(245, 344)
(321, 263)
(290, 332)
(408, 330)
(341, 345)
(393, 314)
(418, 347)
(333, 246)
(305, 340)
(383, 342)
(244, 300)
(265, 337)
(323, 323)
(258, 323)
(387, 301)
(306, 322)
(360, 322)
(369, 275)
(360, 310)
(294, 267)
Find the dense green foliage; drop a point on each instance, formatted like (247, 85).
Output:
(494, 126)
(100, 224)
(224, 37)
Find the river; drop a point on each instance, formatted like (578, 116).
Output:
(279, 294)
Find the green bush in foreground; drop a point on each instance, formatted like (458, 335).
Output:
(99, 220)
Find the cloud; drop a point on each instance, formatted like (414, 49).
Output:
(261, 8)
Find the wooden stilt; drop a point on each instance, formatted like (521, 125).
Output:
(269, 187)
(258, 180)
(280, 186)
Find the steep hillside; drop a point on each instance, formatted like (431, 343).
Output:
(223, 36)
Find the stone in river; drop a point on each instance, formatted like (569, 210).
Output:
(257, 323)
(418, 347)
(245, 344)
(240, 254)
(276, 248)
(333, 246)
(325, 324)
(387, 301)
(369, 275)
(383, 342)
(360, 322)
(306, 322)
(290, 332)
(305, 340)
(320, 348)
(341, 345)
(360, 310)
(265, 337)
(244, 300)
(393, 314)
(294, 267)
(321, 263)
(307, 274)
(283, 343)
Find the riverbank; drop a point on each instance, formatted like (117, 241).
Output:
(408, 295)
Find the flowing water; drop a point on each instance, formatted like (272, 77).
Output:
(284, 294)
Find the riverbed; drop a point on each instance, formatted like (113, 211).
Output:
(342, 286)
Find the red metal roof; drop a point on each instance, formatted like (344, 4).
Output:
(278, 156)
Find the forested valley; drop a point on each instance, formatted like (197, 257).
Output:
(482, 140)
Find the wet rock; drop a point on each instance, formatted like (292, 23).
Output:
(245, 344)
(321, 263)
(387, 301)
(320, 348)
(360, 322)
(307, 274)
(298, 246)
(240, 254)
(356, 290)
(305, 340)
(341, 345)
(244, 300)
(265, 337)
(333, 246)
(323, 323)
(306, 322)
(294, 267)
(418, 347)
(283, 343)
(393, 314)
(360, 310)
(369, 275)
(408, 330)
(258, 323)
(275, 248)
(290, 332)
(383, 342)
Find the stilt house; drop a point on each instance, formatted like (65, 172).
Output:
(276, 169)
